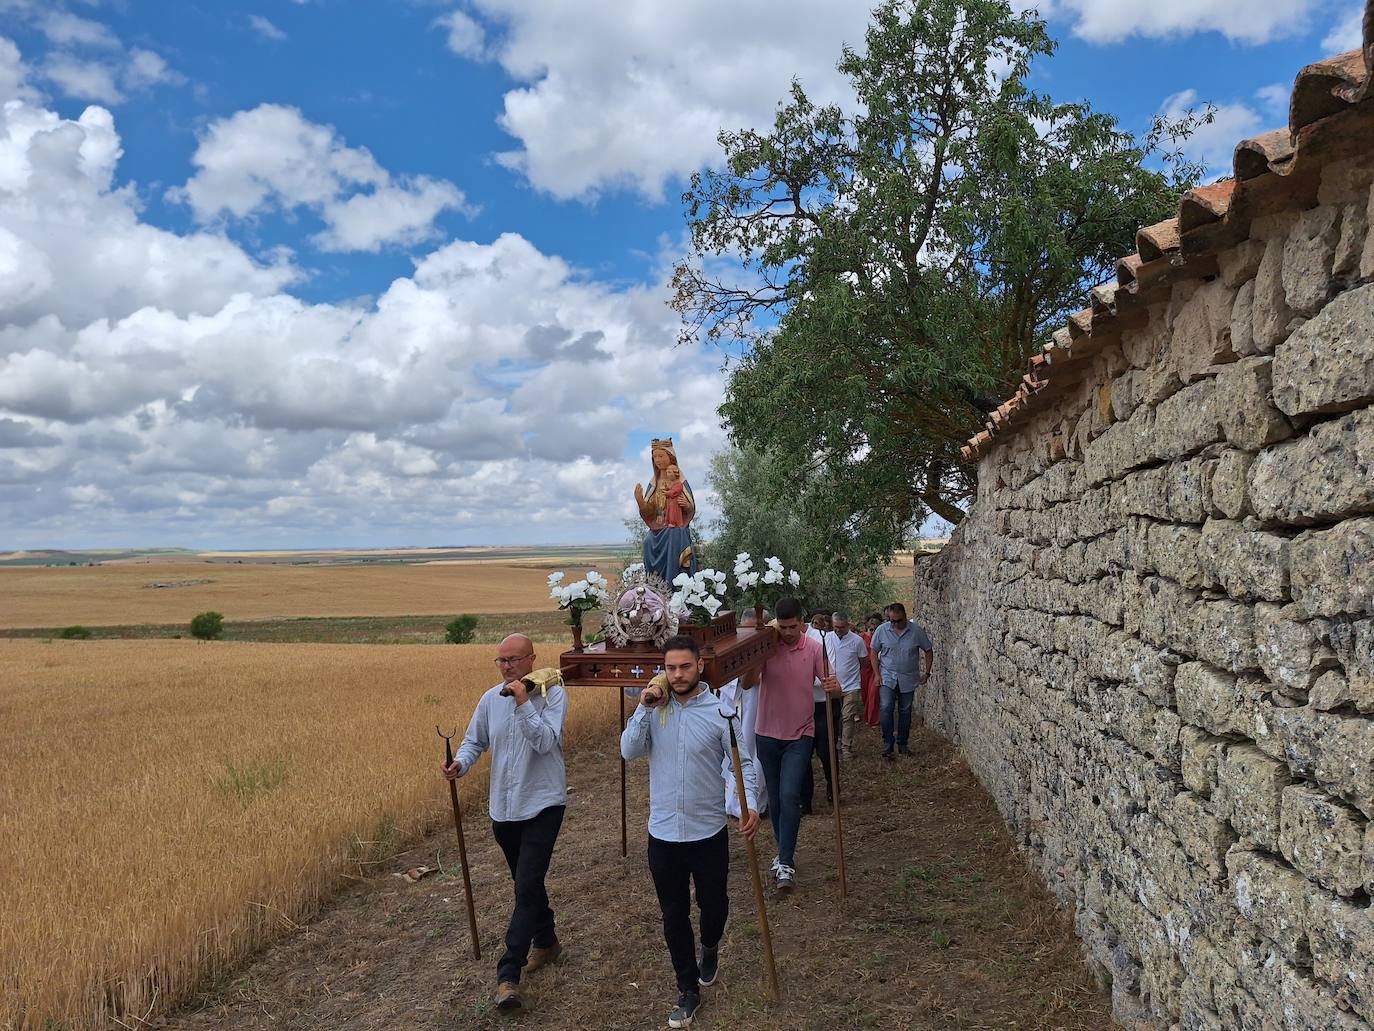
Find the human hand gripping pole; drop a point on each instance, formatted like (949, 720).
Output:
(765, 934)
(462, 844)
(832, 748)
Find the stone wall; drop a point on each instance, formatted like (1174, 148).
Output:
(1155, 635)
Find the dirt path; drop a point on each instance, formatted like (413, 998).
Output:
(943, 928)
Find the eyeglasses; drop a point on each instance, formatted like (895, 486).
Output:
(503, 661)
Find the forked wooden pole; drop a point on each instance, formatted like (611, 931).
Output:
(462, 847)
(765, 933)
(624, 837)
(831, 750)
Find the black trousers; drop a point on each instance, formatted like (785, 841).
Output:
(674, 864)
(821, 747)
(528, 845)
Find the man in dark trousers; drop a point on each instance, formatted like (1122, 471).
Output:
(529, 792)
(678, 725)
(896, 660)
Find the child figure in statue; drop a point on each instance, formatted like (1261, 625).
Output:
(666, 505)
(672, 494)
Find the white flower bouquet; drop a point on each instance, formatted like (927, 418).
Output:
(762, 588)
(699, 597)
(580, 597)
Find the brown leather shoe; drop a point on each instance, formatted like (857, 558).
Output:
(508, 996)
(543, 957)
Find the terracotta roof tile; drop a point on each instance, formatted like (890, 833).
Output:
(1331, 114)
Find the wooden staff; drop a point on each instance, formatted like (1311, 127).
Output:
(831, 748)
(624, 838)
(759, 900)
(462, 846)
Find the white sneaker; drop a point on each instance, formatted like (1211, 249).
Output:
(777, 865)
(786, 875)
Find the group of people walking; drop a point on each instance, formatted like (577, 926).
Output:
(680, 727)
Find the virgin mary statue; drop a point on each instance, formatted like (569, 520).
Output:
(666, 505)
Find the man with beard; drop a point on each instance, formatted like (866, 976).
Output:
(678, 725)
(528, 795)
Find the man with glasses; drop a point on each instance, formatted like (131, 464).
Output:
(528, 795)
(896, 659)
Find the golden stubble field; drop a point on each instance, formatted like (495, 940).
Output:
(118, 593)
(169, 806)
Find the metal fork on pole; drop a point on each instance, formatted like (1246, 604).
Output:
(831, 750)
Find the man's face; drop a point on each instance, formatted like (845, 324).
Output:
(514, 659)
(790, 629)
(818, 621)
(683, 670)
(841, 626)
(873, 624)
(898, 617)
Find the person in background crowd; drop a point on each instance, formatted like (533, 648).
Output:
(848, 652)
(819, 629)
(868, 684)
(896, 656)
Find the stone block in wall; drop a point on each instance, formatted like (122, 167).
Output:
(1249, 791)
(1201, 331)
(1328, 474)
(1205, 836)
(1128, 660)
(1223, 633)
(1331, 570)
(1190, 489)
(1342, 944)
(1250, 565)
(1230, 484)
(1352, 642)
(1287, 997)
(1327, 365)
(1201, 753)
(1289, 646)
(1173, 551)
(1184, 423)
(1270, 314)
(1350, 246)
(1243, 317)
(1307, 259)
(1213, 699)
(1322, 838)
(1334, 750)
(1145, 493)
(1245, 408)
(1160, 612)
(1367, 256)
(1272, 896)
(1239, 264)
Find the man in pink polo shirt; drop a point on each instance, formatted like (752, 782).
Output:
(785, 730)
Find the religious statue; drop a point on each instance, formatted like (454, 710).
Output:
(666, 506)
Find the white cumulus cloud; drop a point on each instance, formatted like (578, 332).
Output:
(272, 158)
(264, 28)
(1244, 21)
(1346, 33)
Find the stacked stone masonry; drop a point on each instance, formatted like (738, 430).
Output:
(1155, 635)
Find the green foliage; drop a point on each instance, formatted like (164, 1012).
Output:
(75, 633)
(897, 265)
(245, 783)
(771, 505)
(207, 626)
(461, 630)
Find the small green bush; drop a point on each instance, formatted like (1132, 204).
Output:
(461, 630)
(207, 626)
(76, 633)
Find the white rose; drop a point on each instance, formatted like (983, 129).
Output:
(773, 576)
(555, 578)
(775, 563)
(794, 578)
(681, 580)
(720, 586)
(578, 591)
(711, 605)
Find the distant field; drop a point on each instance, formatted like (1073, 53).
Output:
(169, 805)
(118, 594)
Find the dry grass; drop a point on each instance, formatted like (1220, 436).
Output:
(169, 806)
(119, 593)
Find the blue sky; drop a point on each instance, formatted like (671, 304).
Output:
(328, 273)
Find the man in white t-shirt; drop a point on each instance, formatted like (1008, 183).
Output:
(847, 653)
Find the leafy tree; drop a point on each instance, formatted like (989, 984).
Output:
(461, 630)
(770, 506)
(207, 626)
(76, 633)
(895, 266)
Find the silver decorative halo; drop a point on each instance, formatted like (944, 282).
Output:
(638, 609)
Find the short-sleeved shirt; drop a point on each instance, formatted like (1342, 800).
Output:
(847, 655)
(899, 655)
(786, 708)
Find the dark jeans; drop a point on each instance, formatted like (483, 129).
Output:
(822, 749)
(528, 845)
(784, 765)
(889, 699)
(673, 865)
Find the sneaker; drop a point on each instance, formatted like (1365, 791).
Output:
(786, 875)
(904, 750)
(687, 1005)
(508, 996)
(887, 754)
(543, 957)
(709, 965)
(777, 865)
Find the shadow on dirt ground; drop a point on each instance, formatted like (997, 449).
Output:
(943, 928)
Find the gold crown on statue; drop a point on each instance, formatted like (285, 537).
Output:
(657, 443)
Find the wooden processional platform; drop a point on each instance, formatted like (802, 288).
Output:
(728, 650)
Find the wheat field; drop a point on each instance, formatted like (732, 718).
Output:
(169, 806)
(118, 593)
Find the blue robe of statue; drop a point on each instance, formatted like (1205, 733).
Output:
(663, 547)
